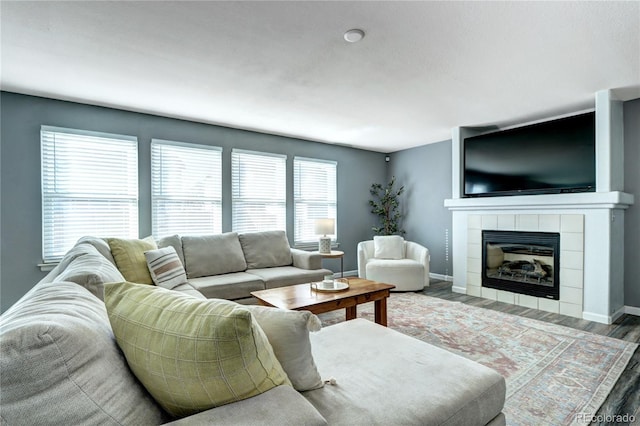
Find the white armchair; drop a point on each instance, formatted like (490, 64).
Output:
(392, 260)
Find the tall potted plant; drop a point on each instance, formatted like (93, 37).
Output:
(385, 204)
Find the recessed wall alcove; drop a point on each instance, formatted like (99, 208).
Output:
(591, 227)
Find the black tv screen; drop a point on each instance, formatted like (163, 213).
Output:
(557, 156)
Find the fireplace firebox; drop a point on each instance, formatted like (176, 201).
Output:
(522, 262)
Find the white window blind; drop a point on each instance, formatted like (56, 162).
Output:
(186, 188)
(89, 187)
(258, 191)
(314, 193)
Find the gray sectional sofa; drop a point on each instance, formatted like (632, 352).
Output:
(61, 363)
(231, 265)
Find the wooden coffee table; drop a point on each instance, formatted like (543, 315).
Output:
(302, 298)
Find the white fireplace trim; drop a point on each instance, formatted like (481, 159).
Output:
(585, 200)
(603, 213)
(602, 259)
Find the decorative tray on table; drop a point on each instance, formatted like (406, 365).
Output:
(330, 286)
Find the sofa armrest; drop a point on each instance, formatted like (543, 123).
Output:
(365, 252)
(187, 288)
(420, 254)
(281, 405)
(305, 259)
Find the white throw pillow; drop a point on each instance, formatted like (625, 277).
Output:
(388, 247)
(165, 267)
(288, 333)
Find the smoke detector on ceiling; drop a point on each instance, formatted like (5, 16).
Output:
(354, 36)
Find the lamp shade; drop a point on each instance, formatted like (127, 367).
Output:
(325, 226)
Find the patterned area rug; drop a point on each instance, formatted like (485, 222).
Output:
(555, 375)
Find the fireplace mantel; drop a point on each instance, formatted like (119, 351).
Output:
(584, 200)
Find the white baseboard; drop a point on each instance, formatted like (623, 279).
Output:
(458, 289)
(617, 314)
(441, 277)
(603, 319)
(632, 310)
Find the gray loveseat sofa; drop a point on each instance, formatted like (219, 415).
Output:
(61, 364)
(231, 265)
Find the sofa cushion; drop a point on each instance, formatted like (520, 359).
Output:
(265, 249)
(377, 368)
(213, 254)
(130, 260)
(191, 354)
(187, 288)
(388, 247)
(288, 333)
(165, 267)
(236, 285)
(288, 275)
(60, 363)
(92, 271)
(174, 241)
(262, 409)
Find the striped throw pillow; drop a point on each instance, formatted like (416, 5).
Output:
(165, 267)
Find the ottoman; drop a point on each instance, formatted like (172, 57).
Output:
(387, 378)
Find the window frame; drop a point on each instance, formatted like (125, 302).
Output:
(156, 196)
(237, 186)
(56, 165)
(330, 201)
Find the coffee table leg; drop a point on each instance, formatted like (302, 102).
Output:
(351, 313)
(381, 311)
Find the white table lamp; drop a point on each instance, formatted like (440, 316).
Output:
(324, 227)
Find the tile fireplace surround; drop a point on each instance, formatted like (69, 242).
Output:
(591, 227)
(571, 229)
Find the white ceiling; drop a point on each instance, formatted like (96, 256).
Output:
(284, 67)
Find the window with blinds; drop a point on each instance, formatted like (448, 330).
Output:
(186, 188)
(258, 191)
(314, 197)
(89, 187)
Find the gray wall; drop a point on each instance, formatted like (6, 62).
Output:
(632, 215)
(20, 200)
(425, 172)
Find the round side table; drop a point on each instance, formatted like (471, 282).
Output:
(335, 254)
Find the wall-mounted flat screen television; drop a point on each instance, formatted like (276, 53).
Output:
(557, 156)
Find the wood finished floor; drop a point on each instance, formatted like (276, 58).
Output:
(625, 395)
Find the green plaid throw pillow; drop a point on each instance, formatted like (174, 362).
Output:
(191, 354)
